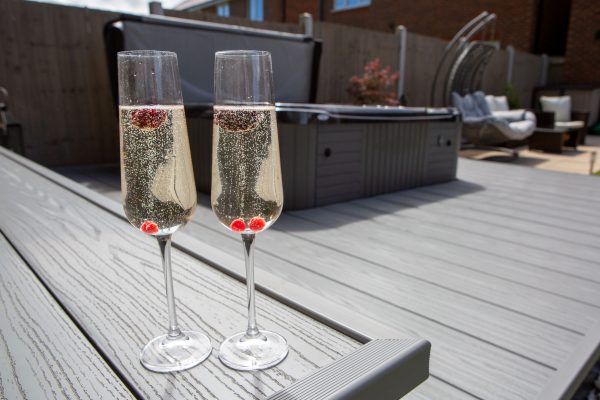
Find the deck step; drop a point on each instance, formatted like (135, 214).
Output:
(383, 369)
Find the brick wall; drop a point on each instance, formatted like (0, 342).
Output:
(582, 61)
(442, 18)
(293, 8)
(273, 10)
(237, 8)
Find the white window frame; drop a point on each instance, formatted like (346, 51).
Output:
(346, 6)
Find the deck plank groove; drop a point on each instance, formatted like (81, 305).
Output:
(501, 265)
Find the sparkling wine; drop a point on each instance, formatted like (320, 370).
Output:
(247, 194)
(157, 179)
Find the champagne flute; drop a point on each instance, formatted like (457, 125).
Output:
(246, 193)
(157, 182)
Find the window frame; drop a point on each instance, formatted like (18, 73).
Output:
(224, 7)
(258, 7)
(346, 6)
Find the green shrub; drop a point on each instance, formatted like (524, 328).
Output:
(512, 96)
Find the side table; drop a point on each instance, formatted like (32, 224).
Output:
(552, 140)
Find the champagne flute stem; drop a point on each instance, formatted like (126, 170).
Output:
(164, 242)
(248, 242)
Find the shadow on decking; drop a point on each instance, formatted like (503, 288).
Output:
(105, 179)
(339, 214)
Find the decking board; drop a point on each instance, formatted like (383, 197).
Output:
(325, 278)
(490, 241)
(515, 248)
(81, 251)
(43, 353)
(549, 210)
(486, 212)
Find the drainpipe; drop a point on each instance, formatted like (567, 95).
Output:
(510, 51)
(402, 34)
(156, 8)
(306, 24)
(321, 10)
(544, 72)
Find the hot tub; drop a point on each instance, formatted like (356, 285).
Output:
(332, 153)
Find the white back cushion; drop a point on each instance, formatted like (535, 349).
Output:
(497, 103)
(489, 99)
(501, 103)
(559, 105)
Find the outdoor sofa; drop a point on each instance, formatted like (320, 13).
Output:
(483, 127)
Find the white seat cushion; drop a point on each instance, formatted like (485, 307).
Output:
(514, 115)
(559, 105)
(497, 103)
(517, 130)
(570, 124)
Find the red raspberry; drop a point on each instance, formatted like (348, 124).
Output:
(149, 227)
(238, 225)
(257, 224)
(148, 118)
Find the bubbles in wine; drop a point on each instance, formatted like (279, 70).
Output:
(158, 190)
(246, 194)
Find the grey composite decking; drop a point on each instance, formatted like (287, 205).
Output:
(108, 278)
(43, 353)
(500, 270)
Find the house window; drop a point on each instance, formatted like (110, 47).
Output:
(256, 11)
(223, 10)
(349, 4)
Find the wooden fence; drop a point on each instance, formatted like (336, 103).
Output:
(53, 64)
(527, 70)
(52, 61)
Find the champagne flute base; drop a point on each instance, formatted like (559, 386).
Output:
(167, 354)
(248, 353)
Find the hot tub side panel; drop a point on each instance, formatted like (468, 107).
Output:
(367, 159)
(325, 163)
(298, 153)
(443, 145)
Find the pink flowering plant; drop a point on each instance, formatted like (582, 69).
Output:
(375, 86)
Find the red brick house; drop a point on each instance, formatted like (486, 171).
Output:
(559, 28)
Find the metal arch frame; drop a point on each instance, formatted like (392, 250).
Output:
(449, 46)
(454, 50)
(469, 66)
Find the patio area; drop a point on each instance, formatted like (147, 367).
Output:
(499, 270)
(571, 161)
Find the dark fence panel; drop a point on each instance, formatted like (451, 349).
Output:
(52, 63)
